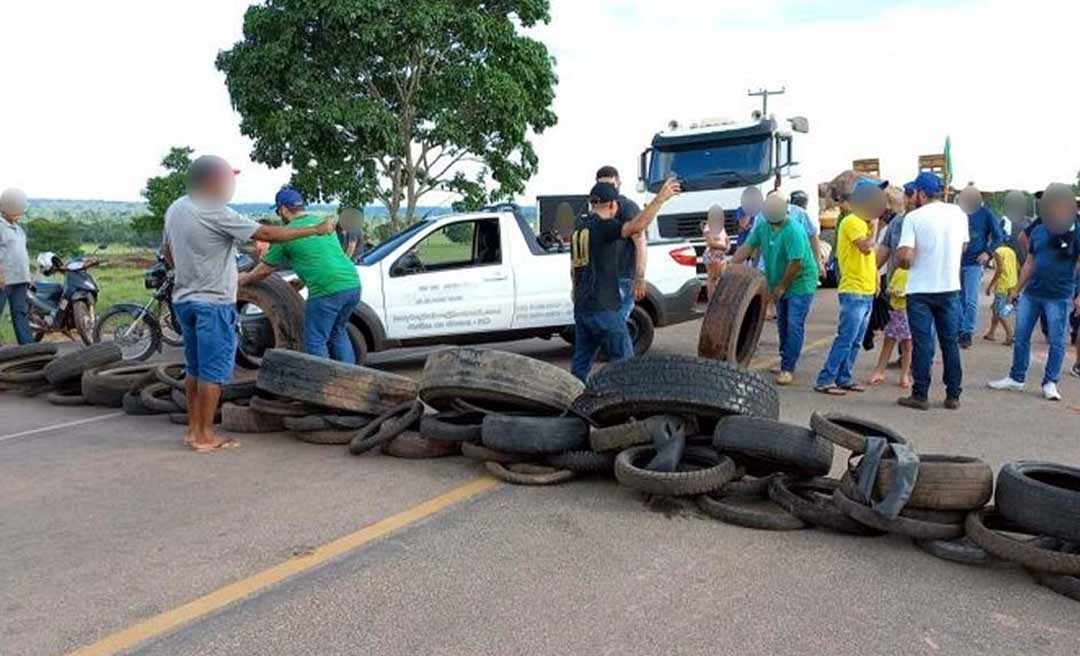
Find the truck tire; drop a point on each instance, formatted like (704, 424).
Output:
(811, 501)
(8, 353)
(743, 485)
(453, 426)
(332, 384)
(386, 427)
(280, 407)
(474, 451)
(25, 370)
(242, 419)
(326, 422)
(944, 482)
(526, 474)
(776, 445)
(676, 385)
(1041, 496)
(68, 398)
(157, 397)
(410, 445)
(850, 432)
(748, 512)
(633, 433)
(284, 310)
(534, 435)
(71, 366)
(701, 471)
(497, 380)
(329, 437)
(106, 386)
(582, 462)
(912, 528)
(735, 317)
(991, 530)
(133, 406)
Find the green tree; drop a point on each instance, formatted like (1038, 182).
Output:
(394, 99)
(60, 237)
(161, 191)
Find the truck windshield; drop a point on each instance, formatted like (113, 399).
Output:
(376, 254)
(713, 163)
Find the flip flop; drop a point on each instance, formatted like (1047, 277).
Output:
(989, 338)
(853, 387)
(830, 390)
(210, 448)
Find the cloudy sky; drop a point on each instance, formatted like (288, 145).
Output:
(94, 93)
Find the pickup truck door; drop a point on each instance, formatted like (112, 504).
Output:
(456, 279)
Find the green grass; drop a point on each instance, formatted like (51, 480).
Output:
(438, 249)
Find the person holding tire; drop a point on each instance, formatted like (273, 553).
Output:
(199, 242)
(595, 249)
(791, 271)
(330, 276)
(15, 264)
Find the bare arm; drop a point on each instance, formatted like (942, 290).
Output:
(744, 253)
(793, 269)
(905, 257)
(642, 221)
(641, 261)
(999, 263)
(815, 243)
(260, 272)
(279, 234)
(1025, 276)
(867, 244)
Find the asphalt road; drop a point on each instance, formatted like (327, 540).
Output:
(107, 522)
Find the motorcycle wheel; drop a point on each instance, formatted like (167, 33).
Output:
(145, 337)
(84, 321)
(170, 332)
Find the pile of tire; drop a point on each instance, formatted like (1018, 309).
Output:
(22, 369)
(87, 376)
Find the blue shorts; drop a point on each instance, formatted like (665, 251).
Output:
(209, 331)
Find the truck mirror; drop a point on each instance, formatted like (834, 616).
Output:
(800, 124)
(641, 186)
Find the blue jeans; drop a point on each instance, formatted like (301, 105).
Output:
(1028, 311)
(852, 323)
(927, 314)
(593, 329)
(970, 282)
(15, 298)
(209, 331)
(326, 319)
(626, 294)
(791, 313)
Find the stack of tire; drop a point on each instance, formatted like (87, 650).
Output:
(22, 369)
(163, 392)
(88, 376)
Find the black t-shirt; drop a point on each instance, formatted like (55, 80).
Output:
(628, 211)
(594, 256)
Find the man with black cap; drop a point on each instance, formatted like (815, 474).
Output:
(201, 233)
(594, 259)
(633, 254)
(932, 244)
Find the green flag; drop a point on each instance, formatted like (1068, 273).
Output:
(948, 160)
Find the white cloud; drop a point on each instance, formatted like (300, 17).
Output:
(95, 93)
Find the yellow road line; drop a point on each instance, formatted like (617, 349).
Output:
(771, 362)
(163, 623)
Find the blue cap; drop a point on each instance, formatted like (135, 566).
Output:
(288, 197)
(909, 189)
(928, 183)
(870, 183)
(866, 188)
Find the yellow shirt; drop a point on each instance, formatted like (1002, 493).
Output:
(1009, 270)
(858, 270)
(898, 290)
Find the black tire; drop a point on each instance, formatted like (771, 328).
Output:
(280, 407)
(496, 380)
(961, 550)
(106, 386)
(526, 474)
(134, 350)
(811, 501)
(30, 369)
(242, 419)
(83, 315)
(676, 385)
(359, 344)
(326, 422)
(331, 437)
(851, 432)
(759, 514)
(701, 471)
(642, 333)
(412, 446)
(781, 447)
(1042, 496)
(743, 485)
(157, 397)
(634, 433)
(386, 427)
(70, 367)
(452, 426)
(534, 435)
(912, 528)
(332, 384)
(8, 353)
(474, 451)
(171, 374)
(133, 406)
(988, 528)
(733, 321)
(582, 462)
(181, 418)
(944, 482)
(180, 399)
(68, 399)
(283, 308)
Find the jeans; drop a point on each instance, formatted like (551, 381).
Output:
(593, 329)
(15, 297)
(791, 313)
(970, 282)
(626, 294)
(326, 321)
(927, 314)
(852, 323)
(209, 331)
(1028, 310)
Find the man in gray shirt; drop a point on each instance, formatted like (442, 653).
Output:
(201, 233)
(15, 263)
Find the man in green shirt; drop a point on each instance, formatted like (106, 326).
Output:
(791, 272)
(332, 282)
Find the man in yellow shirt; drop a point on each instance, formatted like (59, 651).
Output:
(855, 256)
(1006, 268)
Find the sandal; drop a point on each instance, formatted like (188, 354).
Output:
(853, 387)
(830, 390)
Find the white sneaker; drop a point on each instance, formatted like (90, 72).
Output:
(1006, 383)
(1050, 392)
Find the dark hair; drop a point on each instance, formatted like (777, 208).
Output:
(607, 172)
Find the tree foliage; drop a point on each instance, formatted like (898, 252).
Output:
(391, 100)
(162, 190)
(60, 237)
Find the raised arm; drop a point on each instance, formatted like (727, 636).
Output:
(641, 262)
(642, 221)
(279, 234)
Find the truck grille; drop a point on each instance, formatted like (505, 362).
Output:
(688, 226)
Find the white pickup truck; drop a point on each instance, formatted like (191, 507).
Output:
(486, 277)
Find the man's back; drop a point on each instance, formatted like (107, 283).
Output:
(202, 239)
(319, 261)
(938, 232)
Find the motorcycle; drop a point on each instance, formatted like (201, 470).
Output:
(68, 306)
(140, 330)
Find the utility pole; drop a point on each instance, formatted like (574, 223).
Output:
(764, 95)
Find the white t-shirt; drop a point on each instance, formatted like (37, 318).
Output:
(937, 232)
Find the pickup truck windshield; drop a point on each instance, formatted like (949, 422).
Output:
(376, 254)
(713, 163)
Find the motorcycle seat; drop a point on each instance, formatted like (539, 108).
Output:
(49, 291)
